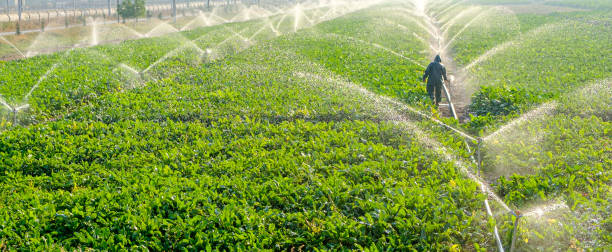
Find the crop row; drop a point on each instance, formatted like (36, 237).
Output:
(571, 57)
(556, 153)
(231, 183)
(550, 55)
(563, 154)
(588, 4)
(583, 4)
(51, 84)
(268, 149)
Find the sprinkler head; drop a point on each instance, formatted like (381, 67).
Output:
(517, 213)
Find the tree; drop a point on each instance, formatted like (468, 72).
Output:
(131, 9)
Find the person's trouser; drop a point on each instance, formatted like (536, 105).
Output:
(435, 92)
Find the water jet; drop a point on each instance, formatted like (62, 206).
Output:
(13, 46)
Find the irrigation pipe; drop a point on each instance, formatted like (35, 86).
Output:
(463, 134)
(478, 160)
(450, 103)
(500, 246)
(478, 163)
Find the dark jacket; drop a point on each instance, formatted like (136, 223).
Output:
(435, 72)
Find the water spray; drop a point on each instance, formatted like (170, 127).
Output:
(376, 46)
(537, 112)
(14, 111)
(94, 33)
(464, 28)
(450, 7)
(438, 37)
(13, 46)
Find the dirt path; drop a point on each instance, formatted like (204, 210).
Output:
(457, 89)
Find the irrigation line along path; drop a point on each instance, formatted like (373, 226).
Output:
(439, 42)
(392, 111)
(464, 98)
(483, 185)
(440, 45)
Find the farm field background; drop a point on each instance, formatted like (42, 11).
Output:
(308, 128)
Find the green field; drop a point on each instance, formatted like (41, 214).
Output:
(310, 129)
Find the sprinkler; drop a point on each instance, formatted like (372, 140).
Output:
(207, 55)
(518, 216)
(14, 116)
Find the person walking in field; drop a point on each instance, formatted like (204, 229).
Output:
(435, 74)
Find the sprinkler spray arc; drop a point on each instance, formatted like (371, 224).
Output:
(338, 10)
(479, 143)
(13, 111)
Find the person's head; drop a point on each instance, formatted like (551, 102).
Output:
(438, 59)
